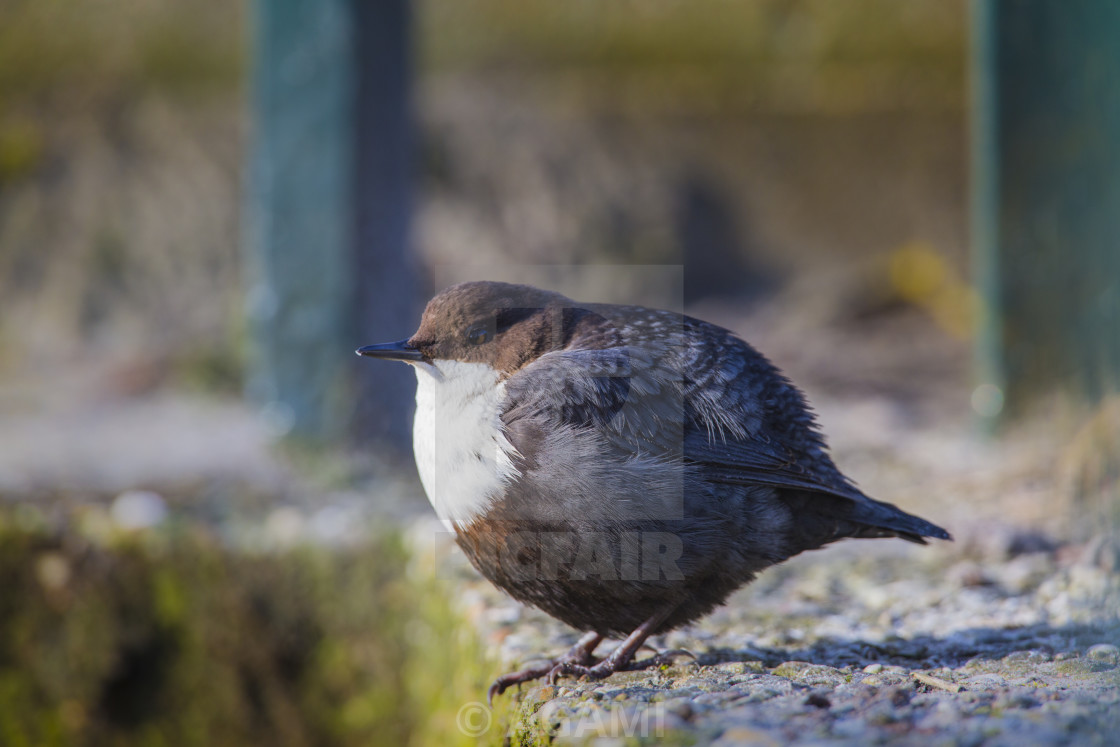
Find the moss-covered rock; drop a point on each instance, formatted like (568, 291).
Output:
(172, 638)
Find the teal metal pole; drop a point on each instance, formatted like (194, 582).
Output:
(298, 214)
(990, 378)
(1046, 195)
(327, 217)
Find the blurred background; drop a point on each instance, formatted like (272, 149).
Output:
(206, 206)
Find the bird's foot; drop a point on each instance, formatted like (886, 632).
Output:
(625, 662)
(580, 662)
(577, 661)
(568, 667)
(587, 666)
(528, 674)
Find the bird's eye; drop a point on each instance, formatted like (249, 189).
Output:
(478, 335)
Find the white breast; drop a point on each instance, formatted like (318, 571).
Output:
(461, 453)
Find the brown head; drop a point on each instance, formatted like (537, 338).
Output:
(503, 325)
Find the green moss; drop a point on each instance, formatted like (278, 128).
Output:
(21, 149)
(1073, 667)
(174, 639)
(789, 669)
(448, 673)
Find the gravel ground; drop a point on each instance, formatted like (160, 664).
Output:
(1009, 641)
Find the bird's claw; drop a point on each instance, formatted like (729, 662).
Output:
(508, 680)
(497, 687)
(578, 663)
(571, 663)
(567, 667)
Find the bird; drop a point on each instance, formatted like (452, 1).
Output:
(623, 469)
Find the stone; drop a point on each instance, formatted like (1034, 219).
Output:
(1104, 653)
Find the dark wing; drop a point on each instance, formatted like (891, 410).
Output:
(700, 397)
(705, 398)
(774, 441)
(780, 445)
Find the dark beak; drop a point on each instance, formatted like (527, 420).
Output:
(392, 351)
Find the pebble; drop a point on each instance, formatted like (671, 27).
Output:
(1032, 656)
(743, 735)
(884, 678)
(1104, 652)
(985, 682)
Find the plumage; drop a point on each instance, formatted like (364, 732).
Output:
(627, 468)
(462, 454)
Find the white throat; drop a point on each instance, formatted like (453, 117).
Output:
(462, 455)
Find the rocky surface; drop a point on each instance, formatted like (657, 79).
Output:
(1011, 640)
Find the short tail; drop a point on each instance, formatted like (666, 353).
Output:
(825, 518)
(878, 519)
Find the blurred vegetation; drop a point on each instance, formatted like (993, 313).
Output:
(122, 139)
(170, 638)
(120, 157)
(1089, 467)
(773, 55)
(754, 141)
(67, 55)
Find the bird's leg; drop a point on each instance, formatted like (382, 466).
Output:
(578, 657)
(620, 658)
(577, 660)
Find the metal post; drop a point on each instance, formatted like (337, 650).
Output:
(1046, 194)
(327, 215)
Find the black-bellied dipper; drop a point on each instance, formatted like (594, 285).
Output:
(621, 468)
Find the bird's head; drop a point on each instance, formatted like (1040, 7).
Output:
(502, 325)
